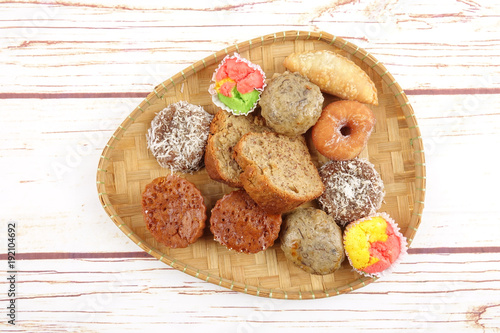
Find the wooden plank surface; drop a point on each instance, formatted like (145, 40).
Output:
(128, 294)
(71, 71)
(132, 46)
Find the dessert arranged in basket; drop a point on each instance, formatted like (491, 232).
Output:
(265, 154)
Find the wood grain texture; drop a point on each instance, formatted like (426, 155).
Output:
(424, 45)
(70, 71)
(129, 294)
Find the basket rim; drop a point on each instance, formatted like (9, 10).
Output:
(159, 91)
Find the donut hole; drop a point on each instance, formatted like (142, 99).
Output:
(345, 130)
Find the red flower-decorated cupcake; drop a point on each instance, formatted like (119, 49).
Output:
(238, 85)
(374, 244)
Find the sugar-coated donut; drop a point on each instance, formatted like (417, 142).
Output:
(343, 130)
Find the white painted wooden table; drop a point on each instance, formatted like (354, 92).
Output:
(71, 71)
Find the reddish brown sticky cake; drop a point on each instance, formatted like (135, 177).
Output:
(174, 211)
(240, 224)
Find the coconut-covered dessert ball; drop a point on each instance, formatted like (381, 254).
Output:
(353, 189)
(178, 135)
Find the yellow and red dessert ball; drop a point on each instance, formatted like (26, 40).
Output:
(373, 244)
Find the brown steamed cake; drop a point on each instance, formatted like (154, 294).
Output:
(278, 172)
(226, 130)
(174, 211)
(291, 104)
(353, 190)
(238, 223)
(312, 240)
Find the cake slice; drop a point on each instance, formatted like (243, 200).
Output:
(225, 131)
(278, 172)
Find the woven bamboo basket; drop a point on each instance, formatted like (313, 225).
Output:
(395, 148)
